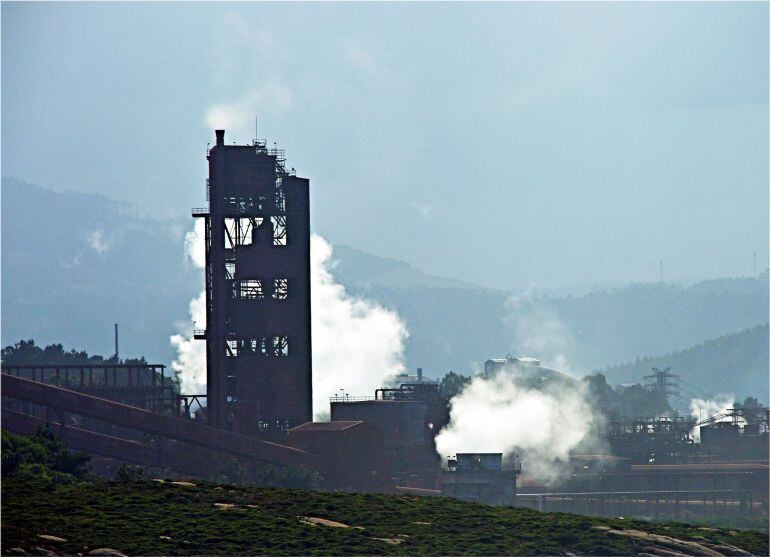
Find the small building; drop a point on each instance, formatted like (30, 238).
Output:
(353, 451)
(481, 477)
(735, 441)
(523, 368)
(409, 417)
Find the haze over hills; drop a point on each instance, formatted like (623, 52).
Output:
(730, 364)
(74, 264)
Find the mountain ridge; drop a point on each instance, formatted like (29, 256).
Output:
(74, 264)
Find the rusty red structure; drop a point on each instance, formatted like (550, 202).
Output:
(258, 345)
(408, 418)
(142, 385)
(347, 455)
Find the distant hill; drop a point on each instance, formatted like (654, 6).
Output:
(365, 270)
(459, 328)
(73, 264)
(731, 364)
(618, 325)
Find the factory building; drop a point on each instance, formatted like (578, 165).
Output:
(481, 477)
(409, 417)
(737, 434)
(258, 353)
(524, 368)
(353, 449)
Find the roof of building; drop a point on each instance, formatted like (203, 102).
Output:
(325, 426)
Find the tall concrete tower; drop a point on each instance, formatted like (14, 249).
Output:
(258, 351)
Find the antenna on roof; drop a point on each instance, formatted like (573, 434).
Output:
(256, 130)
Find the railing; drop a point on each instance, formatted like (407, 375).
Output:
(347, 398)
(685, 503)
(145, 385)
(199, 333)
(200, 211)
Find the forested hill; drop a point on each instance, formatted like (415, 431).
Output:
(459, 328)
(74, 264)
(731, 364)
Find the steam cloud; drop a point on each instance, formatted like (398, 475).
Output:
(357, 344)
(542, 424)
(190, 362)
(538, 331)
(99, 242)
(700, 409)
(502, 414)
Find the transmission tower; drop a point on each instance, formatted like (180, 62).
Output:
(663, 383)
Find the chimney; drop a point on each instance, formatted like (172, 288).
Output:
(419, 374)
(220, 137)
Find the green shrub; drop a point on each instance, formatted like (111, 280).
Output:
(42, 455)
(128, 473)
(33, 472)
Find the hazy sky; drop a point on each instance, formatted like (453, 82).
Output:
(504, 144)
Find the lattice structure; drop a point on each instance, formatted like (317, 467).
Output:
(141, 385)
(257, 291)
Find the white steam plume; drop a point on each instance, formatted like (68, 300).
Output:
(502, 415)
(190, 362)
(538, 331)
(700, 409)
(357, 344)
(543, 423)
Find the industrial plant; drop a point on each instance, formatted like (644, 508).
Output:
(258, 409)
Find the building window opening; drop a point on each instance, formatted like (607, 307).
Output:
(280, 346)
(280, 289)
(251, 289)
(256, 345)
(279, 230)
(238, 231)
(242, 204)
(274, 424)
(231, 347)
(230, 270)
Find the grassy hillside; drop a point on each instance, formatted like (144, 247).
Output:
(736, 364)
(160, 518)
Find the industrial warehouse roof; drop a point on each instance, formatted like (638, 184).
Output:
(325, 426)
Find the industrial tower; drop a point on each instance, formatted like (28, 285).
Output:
(258, 354)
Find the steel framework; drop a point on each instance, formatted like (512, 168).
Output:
(142, 385)
(257, 335)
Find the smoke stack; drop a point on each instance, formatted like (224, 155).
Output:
(220, 137)
(116, 341)
(419, 374)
